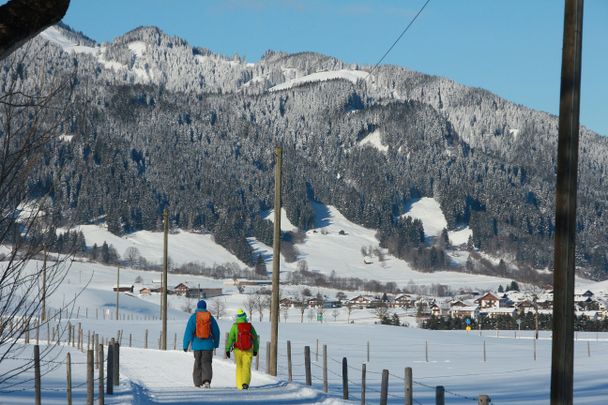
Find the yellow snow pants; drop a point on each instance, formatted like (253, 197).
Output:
(242, 358)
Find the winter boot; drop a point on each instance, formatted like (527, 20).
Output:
(245, 386)
(206, 384)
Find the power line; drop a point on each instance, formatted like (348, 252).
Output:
(397, 40)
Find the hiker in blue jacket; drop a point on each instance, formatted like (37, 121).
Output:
(204, 334)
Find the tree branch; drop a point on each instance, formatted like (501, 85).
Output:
(21, 20)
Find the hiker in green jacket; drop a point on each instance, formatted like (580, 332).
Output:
(244, 339)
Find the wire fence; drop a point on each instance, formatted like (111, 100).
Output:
(373, 387)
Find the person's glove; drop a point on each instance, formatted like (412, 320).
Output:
(255, 354)
(228, 354)
(186, 350)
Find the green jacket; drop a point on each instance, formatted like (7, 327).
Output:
(233, 334)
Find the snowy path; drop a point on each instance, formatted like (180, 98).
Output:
(158, 377)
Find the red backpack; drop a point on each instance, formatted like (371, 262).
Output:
(203, 325)
(244, 337)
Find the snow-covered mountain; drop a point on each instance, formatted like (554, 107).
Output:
(157, 122)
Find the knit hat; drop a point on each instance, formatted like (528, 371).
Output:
(241, 314)
(201, 304)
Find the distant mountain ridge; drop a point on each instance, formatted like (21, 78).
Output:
(156, 122)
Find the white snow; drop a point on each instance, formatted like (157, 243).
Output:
(346, 74)
(510, 375)
(326, 249)
(184, 246)
(514, 132)
(56, 36)
(286, 224)
(429, 212)
(460, 237)
(110, 64)
(137, 47)
(66, 138)
(374, 139)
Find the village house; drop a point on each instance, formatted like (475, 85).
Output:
(332, 303)
(361, 301)
(471, 312)
(287, 302)
(203, 292)
(181, 289)
(525, 306)
(403, 301)
(488, 300)
(314, 302)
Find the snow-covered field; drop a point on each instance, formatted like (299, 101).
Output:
(333, 245)
(510, 375)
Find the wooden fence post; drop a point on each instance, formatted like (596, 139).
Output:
(68, 382)
(96, 343)
(588, 349)
(307, 365)
(289, 369)
(110, 370)
(439, 395)
(116, 364)
(175, 341)
(426, 350)
(130, 340)
(409, 394)
(257, 361)
(484, 400)
(90, 377)
(267, 357)
(146, 340)
(384, 388)
(344, 378)
(363, 370)
(534, 340)
(317, 352)
(37, 382)
(325, 384)
(101, 376)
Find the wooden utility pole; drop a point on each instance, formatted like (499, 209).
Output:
(117, 289)
(43, 304)
(565, 207)
(163, 336)
(276, 262)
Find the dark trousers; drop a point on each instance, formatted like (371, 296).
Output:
(202, 366)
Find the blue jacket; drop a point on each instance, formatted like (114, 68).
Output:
(210, 343)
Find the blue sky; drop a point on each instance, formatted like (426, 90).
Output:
(512, 48)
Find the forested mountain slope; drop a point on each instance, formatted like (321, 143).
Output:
(155, 122)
